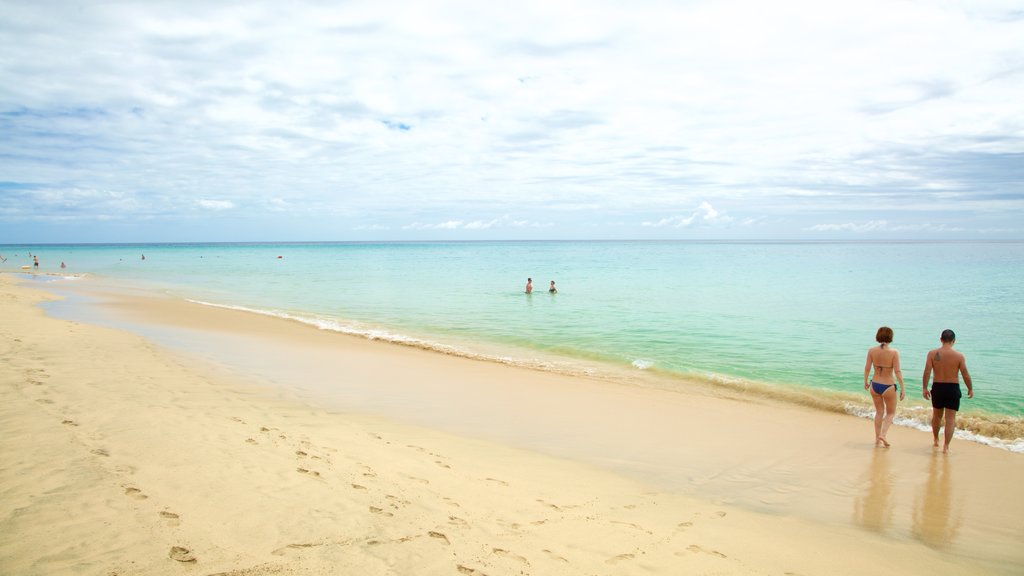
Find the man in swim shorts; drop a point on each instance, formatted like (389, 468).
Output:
(948, 365)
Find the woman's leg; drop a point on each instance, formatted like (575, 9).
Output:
(879, 416)
(889, 399)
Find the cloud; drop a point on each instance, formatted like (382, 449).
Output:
(215, 204)
(860, 227)
(331, 115)
(502, 222)
(885, 225)
(704, 215)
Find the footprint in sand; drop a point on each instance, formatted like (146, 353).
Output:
(44, 401)
(621, 557)
(506, 554)
(171, 518)
(359, 487)
(307, 472)
(134, 493)
(181, 554)
(100, 452)
(380, 511)
(285, 549)
(470, 571)
(439, 536)
(497, 482)
(631, 525)
(695, 548)
(554, 556)
(441, 464)
(549, 505)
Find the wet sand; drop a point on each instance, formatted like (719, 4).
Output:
(232, 443)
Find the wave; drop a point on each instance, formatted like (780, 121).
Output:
(1003, 432)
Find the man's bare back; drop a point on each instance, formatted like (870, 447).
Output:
(947, 364)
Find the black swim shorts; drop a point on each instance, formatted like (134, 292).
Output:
(946, 395)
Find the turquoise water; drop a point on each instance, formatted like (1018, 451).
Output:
(788, 314)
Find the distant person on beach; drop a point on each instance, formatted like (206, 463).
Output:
(553, 290)
(35, 262)
(886, 363)
(529, 285)
(948, 365)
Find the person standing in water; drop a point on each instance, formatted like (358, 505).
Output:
(948, 365)
(553, 290)
(529, 285)
(886, 363)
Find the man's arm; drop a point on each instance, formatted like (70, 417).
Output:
(967, 376)
(927, 376)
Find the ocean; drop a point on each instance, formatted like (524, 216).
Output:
(786, 319)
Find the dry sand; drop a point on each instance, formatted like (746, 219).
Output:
(121, 456)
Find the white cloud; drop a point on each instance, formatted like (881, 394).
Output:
(858, 227)
(705, 214)
(931, 228)
(215, 204)
(495, 223)
(480, 225)
(546, 112)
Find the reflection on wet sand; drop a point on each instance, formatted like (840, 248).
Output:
(873, 509)
(936, 520)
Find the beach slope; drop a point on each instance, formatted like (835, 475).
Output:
(122, 457)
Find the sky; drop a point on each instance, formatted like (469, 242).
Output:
(188, 120)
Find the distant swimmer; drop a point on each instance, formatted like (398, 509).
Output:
(143, 256)
(552, 289)
(529, 285)
(62, 265)
(886, 363)
(945, 394)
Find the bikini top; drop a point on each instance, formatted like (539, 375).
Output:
(880, 367)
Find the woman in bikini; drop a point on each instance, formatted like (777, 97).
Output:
(886, 363)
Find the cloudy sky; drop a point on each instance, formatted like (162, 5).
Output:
(199, 120)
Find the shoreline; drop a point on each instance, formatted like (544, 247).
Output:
(995, 430)
(805, 477)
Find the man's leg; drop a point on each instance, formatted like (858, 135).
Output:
(936, 425)
(950, 427)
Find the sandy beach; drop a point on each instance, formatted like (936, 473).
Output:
(229, 443)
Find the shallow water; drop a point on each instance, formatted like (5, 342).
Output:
(780, 316)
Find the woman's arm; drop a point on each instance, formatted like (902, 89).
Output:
(867, 369)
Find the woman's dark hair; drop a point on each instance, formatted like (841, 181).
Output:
(947, 335)
(884, 335)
